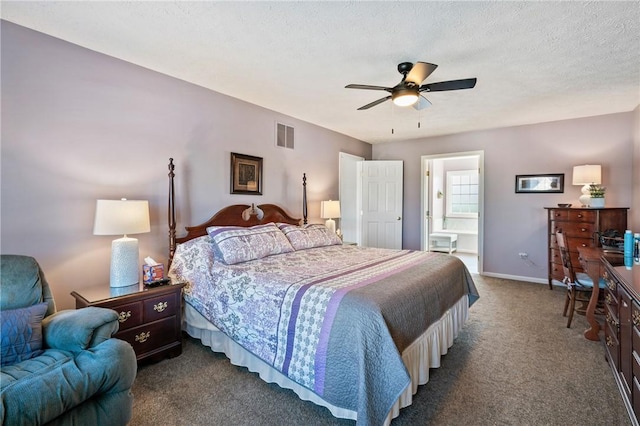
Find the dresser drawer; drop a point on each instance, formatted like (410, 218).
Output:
(573, 229)
(574, 243)
(611, 302)
(160, 306)
(611, 283)
(129, 315)
(612, 344)
(554, 257)
(559, 214)
(636, 397)
(556, 272)
(582, 216)
(151, 336)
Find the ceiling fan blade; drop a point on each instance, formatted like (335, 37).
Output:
(367, 87)
(442, 86)
(374, 103)
(420, 72)
(422, 103)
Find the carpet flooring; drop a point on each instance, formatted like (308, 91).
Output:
(514, 363)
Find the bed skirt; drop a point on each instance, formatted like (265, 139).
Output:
(424, 353)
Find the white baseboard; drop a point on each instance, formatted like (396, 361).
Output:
(518, 278)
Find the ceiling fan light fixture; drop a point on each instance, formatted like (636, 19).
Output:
(404, 97)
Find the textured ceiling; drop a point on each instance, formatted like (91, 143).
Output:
(535, 61)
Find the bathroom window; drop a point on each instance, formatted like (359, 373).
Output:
(462, 194)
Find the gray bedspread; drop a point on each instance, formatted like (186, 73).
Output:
(374, 325)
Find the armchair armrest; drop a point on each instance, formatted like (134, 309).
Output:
(78, 330)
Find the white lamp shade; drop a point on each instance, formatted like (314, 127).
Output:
(587, 174)
(121, 217)
(330, 209)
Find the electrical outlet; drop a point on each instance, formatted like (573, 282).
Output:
(523, 255)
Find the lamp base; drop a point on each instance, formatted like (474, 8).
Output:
(124, 262)
(585, 198)
(331, 225)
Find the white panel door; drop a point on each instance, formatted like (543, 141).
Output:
(382, 204)
(349, 199)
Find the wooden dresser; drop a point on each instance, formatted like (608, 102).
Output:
(622, 332)
(580, 226)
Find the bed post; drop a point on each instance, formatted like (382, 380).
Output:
(304, 198)
(171, 214)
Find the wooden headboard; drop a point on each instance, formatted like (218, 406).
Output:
(228, 216)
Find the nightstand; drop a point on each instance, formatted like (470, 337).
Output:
(150, 318)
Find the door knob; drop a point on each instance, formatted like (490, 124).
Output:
(399, 218)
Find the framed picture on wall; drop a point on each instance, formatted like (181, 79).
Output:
(548, 183)
(246, 174)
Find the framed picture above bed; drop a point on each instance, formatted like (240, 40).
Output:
(540, 183)
(246, 174)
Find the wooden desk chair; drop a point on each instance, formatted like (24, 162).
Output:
(579, 285)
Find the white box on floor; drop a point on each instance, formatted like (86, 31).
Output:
(443, 242)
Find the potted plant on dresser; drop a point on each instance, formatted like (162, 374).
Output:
(597, 196)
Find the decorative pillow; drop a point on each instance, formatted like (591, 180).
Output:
(235, 244)
(309, 236)
(22, 333)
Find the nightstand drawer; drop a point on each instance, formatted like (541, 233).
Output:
(160, 306)
(149, 318)
(129, 315)
(151, 336)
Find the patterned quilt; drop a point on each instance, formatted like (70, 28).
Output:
(292, 310)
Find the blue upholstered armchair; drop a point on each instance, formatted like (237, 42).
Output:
(58, 367)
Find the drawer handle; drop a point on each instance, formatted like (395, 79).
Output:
(608, 299)
(610, 320)
(143, 337)
(579, 214)
(160, 307)
(583, 229)
(611, 285)
(609, 341)
(123, 316)
(636, 318)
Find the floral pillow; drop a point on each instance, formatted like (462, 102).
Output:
(236, 244)
(309, 236)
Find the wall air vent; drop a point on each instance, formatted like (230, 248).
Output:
(284, 136)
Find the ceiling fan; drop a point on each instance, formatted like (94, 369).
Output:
(409, 90)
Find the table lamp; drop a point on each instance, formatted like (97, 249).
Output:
(330, 210)
(587, 175)
(122, 217)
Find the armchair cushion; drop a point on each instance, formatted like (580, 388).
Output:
(57, 383)
(22, 333)
(77, 330)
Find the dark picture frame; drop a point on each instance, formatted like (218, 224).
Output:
(540, 184)
(246, 174)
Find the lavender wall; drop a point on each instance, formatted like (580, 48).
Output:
(513, 222)
(78, 126)
(635, 218)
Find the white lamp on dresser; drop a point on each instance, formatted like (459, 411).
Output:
(587, 175)
(123, 217)
(330, 210)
